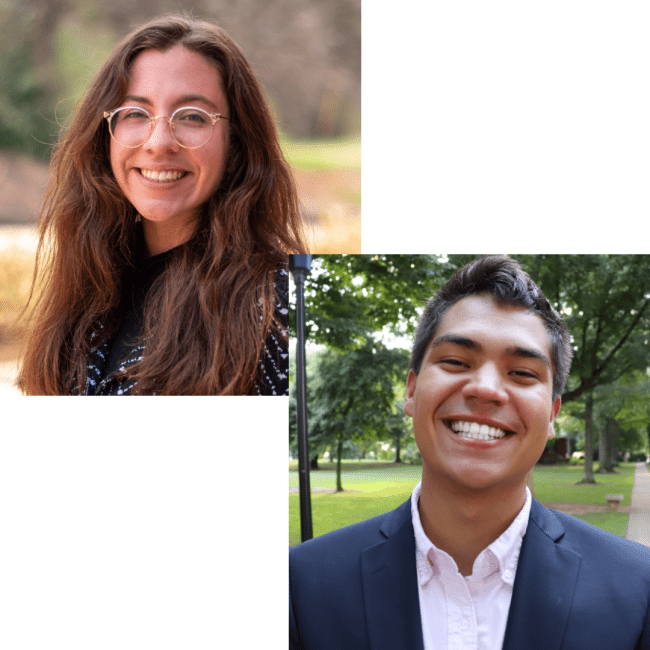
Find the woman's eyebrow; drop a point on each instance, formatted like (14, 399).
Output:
(180, 100)
(137, 98)
(195, 98)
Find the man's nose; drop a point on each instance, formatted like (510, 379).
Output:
(486, 384)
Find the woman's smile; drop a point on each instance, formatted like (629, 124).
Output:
(162, 176)
(166, 183)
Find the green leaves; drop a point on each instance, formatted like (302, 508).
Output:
(354, 303)
(349, 298)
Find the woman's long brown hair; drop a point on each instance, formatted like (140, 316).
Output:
(207, 316)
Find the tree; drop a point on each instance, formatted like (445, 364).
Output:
(606, 309)
(306, 53)
(353, 396)
(603, 299)
(352, 302)
(28, 91)
(624, 413)
(351, 297)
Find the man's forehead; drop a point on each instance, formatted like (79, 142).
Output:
(484, 316)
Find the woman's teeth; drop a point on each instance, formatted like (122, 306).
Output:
(476, 431)
(161, 177)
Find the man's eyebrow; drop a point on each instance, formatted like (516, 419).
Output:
(179, 101)
(470, 344)
(528, 353)
(463, 341)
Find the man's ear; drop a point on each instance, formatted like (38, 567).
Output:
(554, 413)
(409, 400)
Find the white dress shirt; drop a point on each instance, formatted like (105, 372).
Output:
(470, 612)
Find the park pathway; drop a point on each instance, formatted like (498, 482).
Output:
(638, 524)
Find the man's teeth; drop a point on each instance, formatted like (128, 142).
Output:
(161, 177)
(476, 431)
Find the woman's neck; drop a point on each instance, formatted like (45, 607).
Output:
(160, 237)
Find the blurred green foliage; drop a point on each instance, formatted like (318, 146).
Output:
(26, 114)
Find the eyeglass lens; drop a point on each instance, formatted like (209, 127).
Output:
(190, 127)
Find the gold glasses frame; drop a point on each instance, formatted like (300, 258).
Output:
(215, 117)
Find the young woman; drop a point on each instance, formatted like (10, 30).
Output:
(162, 263)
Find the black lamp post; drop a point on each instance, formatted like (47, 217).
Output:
(300, 266)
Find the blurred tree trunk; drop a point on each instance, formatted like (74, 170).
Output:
(605, 448)
(339, 455)
(588, 475)
(613, 451)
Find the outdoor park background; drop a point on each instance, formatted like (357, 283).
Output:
(361, 312)
(307, 54)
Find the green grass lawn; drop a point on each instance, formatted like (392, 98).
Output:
(374, 488)
(342, 153)
(558, 484)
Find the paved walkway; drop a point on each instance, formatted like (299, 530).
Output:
(638, 524)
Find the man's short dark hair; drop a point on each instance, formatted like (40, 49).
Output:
(502, 278)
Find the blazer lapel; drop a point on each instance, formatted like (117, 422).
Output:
(544, 585)
(390, 590)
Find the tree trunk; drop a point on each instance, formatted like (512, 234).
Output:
(602, 438)
(339, 454)
(613, 437)
(398, 448)
(588, 475)
(605, 448)
(313, 463)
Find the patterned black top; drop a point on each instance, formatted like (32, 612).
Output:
(109, 357)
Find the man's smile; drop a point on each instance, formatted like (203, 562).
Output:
(476, 431)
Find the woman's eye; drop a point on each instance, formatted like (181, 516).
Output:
(133, 115)
(191, 117)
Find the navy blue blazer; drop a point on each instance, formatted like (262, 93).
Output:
(576, 588)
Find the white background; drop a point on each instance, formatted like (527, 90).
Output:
(517, 122)
(162, 523)
(143, 523)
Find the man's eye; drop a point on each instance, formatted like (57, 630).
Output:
(524, 374)
(453, 362)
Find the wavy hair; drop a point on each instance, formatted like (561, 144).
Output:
(207, 316)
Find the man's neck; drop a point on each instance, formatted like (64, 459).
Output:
(464, 522)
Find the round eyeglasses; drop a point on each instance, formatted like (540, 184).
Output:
(190, 127)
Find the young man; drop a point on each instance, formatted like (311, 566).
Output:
(471, 560)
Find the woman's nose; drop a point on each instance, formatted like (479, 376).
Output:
(161, 134)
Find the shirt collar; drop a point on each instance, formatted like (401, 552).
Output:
(502, 555)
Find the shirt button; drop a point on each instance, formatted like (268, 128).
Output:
(507, 574)
(463, 625)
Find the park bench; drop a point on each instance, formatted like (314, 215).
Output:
(614, 500)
